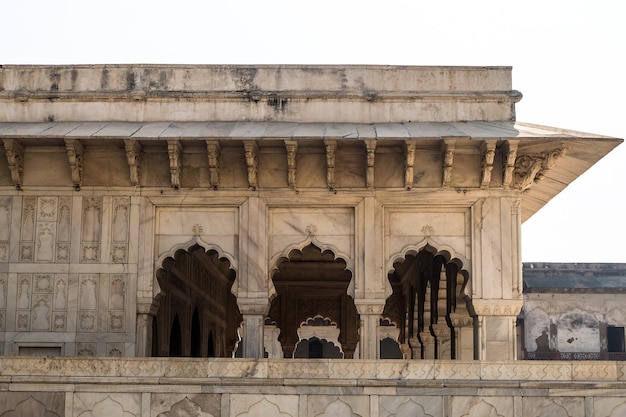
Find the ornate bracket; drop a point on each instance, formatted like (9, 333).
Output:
(75, 155)
(175, 152)
(213, 151)
(531, 168)
(488, 156)
(509, 156)
(370, 148)
(331, 148)
(448, 159)
(251, 150)
(292, 150)
(15, 156)
(133, 150)
(409, 155)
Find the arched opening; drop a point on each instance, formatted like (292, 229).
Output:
(311, 283)
(427, 304)
(196, 295)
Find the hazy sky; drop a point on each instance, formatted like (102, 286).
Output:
(568, 60)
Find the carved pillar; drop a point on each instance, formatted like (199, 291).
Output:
(444, 345)
(416, 348)
(369, 343)
(146, 311)
(253, 326)
(497, 338)
(428, 344)
(464, 336)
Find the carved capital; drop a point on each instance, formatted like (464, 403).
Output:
(530, 168)
(133, 151)
(331, 148)
(175, 153)
(427, 338)
(292, 150)
(461, 320)
(213, 152)
(15, 157)
(75, 150)
(368, 307)
(251, 150)
(441, 330)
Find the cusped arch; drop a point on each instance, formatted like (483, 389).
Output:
(184, 247)
(283, 256)
(435, 248)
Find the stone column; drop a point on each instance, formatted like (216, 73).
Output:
(496, 329)
(416, 348)
(443, 347)
(428, 342)
(369, 343)
(252, 337)
(146, 311)
(464, 334)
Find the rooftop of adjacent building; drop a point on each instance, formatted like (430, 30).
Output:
(549, 277)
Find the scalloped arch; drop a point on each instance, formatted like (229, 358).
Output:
(436, 249)
(196, 240)
(326, 320)
(284, 254)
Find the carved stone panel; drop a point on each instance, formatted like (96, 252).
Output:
(192, 405)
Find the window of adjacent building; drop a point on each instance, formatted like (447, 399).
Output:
(615, 339)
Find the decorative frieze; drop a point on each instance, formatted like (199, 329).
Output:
(497, 307)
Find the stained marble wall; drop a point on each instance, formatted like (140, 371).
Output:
(65, 276)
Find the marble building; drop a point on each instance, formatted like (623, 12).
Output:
(287, 240)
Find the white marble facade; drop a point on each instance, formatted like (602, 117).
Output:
(114, 173)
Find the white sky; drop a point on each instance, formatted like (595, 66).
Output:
(568, 60)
